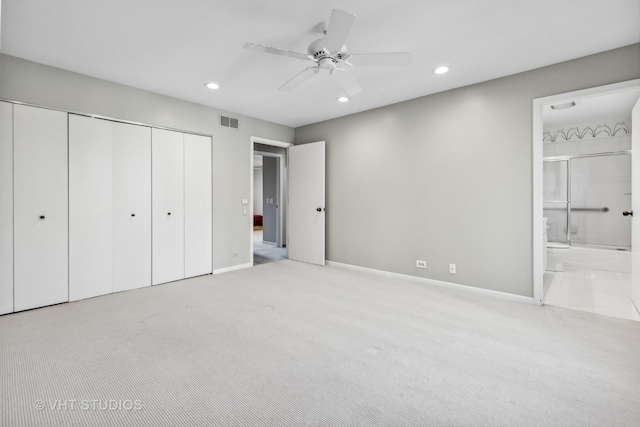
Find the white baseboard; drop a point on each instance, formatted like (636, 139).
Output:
(232, 268)
(497, 294)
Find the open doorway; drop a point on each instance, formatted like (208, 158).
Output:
(582, 200)
(268, 197)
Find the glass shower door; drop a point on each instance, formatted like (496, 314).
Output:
(556, 199)
(600, 192)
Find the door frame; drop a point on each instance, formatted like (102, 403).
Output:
(537, 178)
(279, 194)
(281, 189)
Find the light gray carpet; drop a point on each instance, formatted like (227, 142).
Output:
(289, 344)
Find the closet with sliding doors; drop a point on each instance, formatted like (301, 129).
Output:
(90, 206)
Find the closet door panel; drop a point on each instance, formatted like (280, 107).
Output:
(90, 207)
(40, 190)
(6, 207)
(167, 154)
(198, 215)
(132, 206)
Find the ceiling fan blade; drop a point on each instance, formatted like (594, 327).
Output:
(276, 51)
(299, 78)
(346, 80)
(339, 28)
(391, 59)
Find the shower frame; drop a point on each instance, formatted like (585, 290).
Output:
(568, 159)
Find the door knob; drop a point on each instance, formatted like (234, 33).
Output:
(169, 213)
(627, 213)
(41, 216)
(319, 209)
(133, 214)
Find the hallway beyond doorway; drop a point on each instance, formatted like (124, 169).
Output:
(264, 253)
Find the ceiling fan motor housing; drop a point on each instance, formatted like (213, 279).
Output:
(318, 51)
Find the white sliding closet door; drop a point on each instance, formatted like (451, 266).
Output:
(132, 206)
(198, 216)
(6, 207)
(90, 207)
(167, 152)
(40, 207)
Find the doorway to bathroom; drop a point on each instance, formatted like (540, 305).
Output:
(583, 200)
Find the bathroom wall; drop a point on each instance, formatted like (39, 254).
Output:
(584, 138)
(581, 132)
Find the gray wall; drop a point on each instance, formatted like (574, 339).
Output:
(39, 84)
(269, 191)
(447, 177)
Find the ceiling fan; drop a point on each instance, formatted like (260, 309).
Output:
(330, 53)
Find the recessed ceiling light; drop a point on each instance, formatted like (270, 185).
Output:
(441, 70)
(343, 99)
(212, 86)
(563, 106)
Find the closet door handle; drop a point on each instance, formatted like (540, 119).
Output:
(41, 216)
(625, 213)
(169, 213)
(133, 214)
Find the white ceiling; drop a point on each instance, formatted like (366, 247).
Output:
(174, 47)
(587, 110)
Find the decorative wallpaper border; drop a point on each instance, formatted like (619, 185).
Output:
(579, 133)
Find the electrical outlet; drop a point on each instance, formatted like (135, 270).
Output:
(452, 269)
(421, 264)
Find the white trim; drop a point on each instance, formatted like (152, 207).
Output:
(233, 268)
(482, 291)
(273, 142)
(536, 229)
(251, 148)
(279, 194)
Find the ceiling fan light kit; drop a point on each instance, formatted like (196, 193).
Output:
(330, 54)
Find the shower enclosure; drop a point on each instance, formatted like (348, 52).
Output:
(585, 197)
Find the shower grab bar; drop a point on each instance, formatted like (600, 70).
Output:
(605, 209)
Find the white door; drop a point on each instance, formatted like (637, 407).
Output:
(306, 203)
(167, 178)
(40, 207)
(90, 207)
(197, 206)
(6, 207)
(131, 206)
(635, 204)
